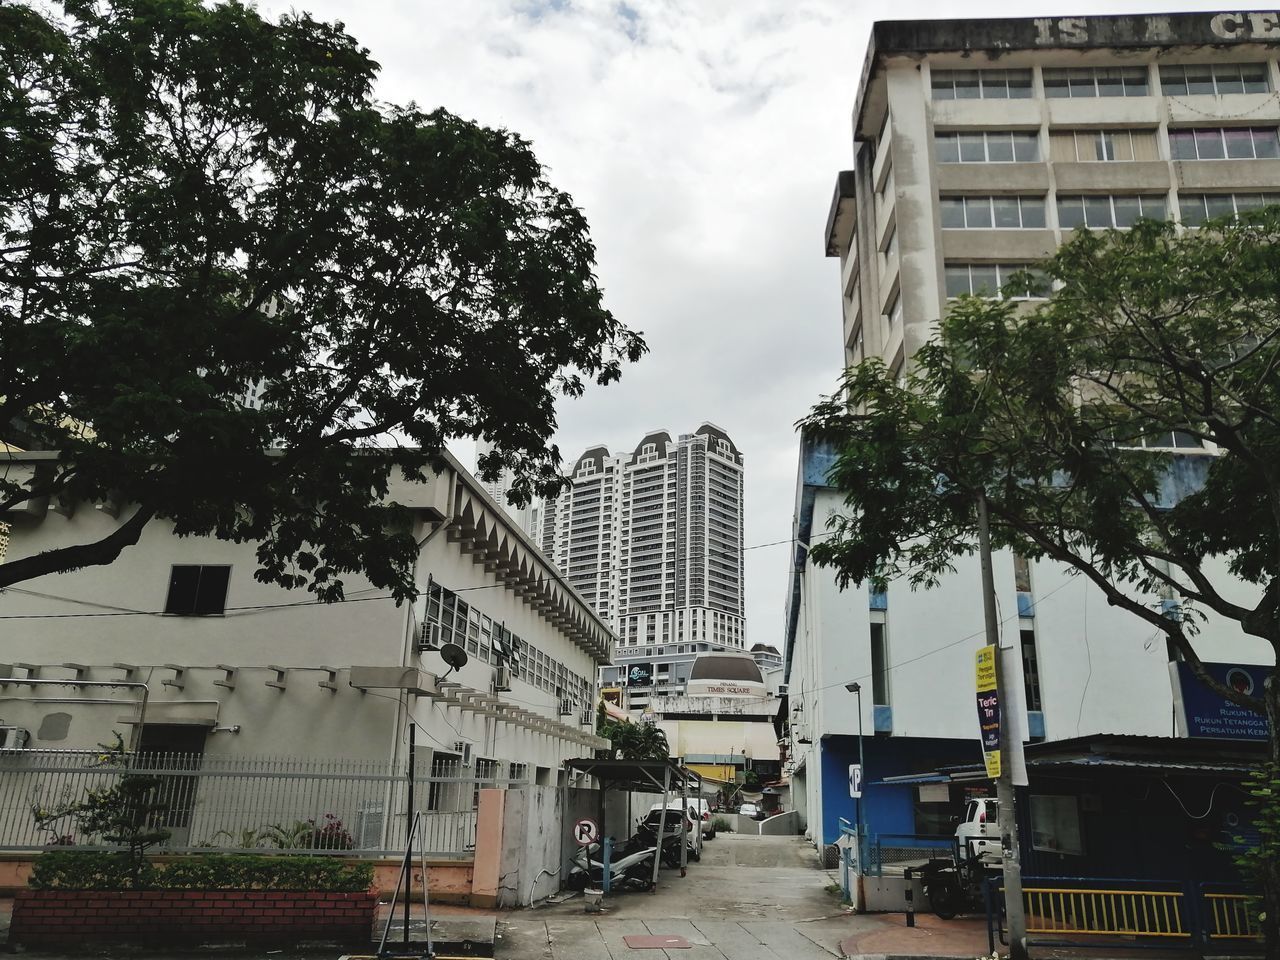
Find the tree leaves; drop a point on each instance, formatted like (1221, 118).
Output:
(199, 203)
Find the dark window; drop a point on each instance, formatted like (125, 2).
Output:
(1031, 669)
(879, 665)
(197, 591)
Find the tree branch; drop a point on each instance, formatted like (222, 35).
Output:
(66, 559)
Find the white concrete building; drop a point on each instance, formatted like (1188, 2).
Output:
(236, 668)
(978, 146)
(654, 539)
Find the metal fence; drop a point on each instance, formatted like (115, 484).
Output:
(1071, 911)
(893, 852)
(299, 805)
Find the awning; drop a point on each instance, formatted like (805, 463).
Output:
(639, 776)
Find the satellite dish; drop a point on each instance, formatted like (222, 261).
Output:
(454, 656)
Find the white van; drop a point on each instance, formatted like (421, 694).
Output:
(979, 831)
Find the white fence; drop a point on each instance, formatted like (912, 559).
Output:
(240, 803)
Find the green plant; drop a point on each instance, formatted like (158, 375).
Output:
(721, 825)
(98, 870)
(1259, 864)
(633, 741)
(124, 814)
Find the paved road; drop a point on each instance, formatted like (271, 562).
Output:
(751, 898)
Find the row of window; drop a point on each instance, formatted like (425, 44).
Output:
(1096, 212)
(1023, 146)
(456, 621)
(1176, 80)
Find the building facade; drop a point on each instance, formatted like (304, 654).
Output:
(234, 668)
(528, 517)
(653, 539)
(978, 146)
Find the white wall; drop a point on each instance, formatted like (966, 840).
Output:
(1103, 670)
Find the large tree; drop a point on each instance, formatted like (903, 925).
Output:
(197, 204)
(1128, 427)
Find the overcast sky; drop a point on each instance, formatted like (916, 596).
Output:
(702, 139)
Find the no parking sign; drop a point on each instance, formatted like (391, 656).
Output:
(586, 832)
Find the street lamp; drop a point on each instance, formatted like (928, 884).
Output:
(856, 688)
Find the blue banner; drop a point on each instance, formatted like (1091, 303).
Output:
(1212, 716)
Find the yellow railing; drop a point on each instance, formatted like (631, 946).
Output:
(1143, 913)
(1229, 917)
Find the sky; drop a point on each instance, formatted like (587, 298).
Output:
(702, 140)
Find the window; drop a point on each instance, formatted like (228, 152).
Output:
(893, 313)
(981, 84)
(879, 665)
(1159, 440)
(1199, 207)
(885, 193)
(197, 591)
(1231, 143)
(1074, 82)
(1179, 80)
(1098, 213)
(891, 245)
(989, 146)
(979, 213)
(1055, 825)
(988, 280)
(1030, 669)
(1087, 146)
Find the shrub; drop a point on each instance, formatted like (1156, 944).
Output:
(721, 825)
(96, 870)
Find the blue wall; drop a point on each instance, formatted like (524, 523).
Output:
(889, 809)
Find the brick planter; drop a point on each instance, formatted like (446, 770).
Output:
(190, 916)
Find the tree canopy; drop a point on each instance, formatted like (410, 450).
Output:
(199, 205)
(1127, 427)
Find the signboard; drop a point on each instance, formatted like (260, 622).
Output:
(855, 780)
(586, 832)
(640, 675)
(989, 709)
(1207, 715)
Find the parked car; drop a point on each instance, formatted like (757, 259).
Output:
(693, 821)
(751, 810)
(979, 830)
(704, 810)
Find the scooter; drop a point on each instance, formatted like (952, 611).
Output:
(630, 867)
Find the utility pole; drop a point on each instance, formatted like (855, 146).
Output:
(1010, 749)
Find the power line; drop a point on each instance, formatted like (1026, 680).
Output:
(114, 611)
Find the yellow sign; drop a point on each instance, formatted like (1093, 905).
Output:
(987, 669)
(989, 709)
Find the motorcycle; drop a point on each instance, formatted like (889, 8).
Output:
(630, 866)
(953, 886)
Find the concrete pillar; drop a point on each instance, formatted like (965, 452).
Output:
(487, 865)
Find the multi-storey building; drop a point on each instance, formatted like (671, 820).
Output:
(979, 145)
(653, 538)
(529, 517)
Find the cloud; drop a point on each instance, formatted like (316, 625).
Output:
(702, 141)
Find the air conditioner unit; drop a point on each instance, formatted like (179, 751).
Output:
(429, 637)
(370, 817)
(13, 738)
(463, 749)
(782, 689)
(566, 707)
(502, 678)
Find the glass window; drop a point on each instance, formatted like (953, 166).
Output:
(1077, 82)
(1216, 143)
(1097, 212)
(999, 148)
(973, 148)
(1006, 212)
(977, 212)
(985, 84)
(1032, 212)
(952, 213)
(1026, 147)
(984, 279)
(1070, 212)
(1209, 144)
(1203, 79)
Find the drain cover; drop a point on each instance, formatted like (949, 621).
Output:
(660, 942)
